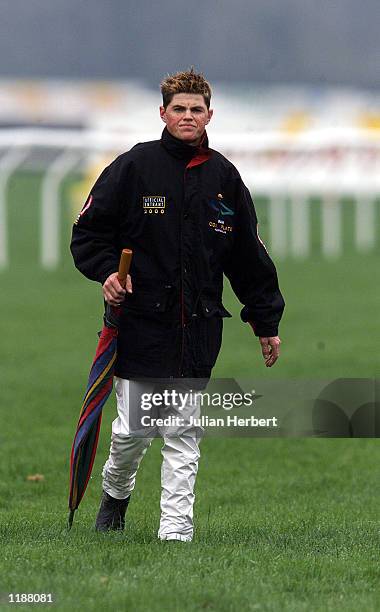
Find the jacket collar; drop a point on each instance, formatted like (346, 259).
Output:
(180, 149)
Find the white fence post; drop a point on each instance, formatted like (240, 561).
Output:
(8, 164)
(331, 226)
(50, 207)
(278, 225)
(365, 229)
(300, 226)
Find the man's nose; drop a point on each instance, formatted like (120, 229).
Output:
(188, 114)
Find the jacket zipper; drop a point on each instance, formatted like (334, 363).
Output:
(182, 333)
(182, 313)
(198, 159)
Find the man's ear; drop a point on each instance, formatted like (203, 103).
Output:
(210, 114)
(163, 113)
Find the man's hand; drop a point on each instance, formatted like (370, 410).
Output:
(270, 348)
(113, 291)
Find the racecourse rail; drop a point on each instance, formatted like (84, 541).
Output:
(289, 169)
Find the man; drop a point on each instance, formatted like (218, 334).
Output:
(186, 214)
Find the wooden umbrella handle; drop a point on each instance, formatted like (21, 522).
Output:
(124, 265)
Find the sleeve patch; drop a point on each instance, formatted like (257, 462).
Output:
(258, 236)
(87, 205)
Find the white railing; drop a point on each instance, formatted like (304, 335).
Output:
(288, 169)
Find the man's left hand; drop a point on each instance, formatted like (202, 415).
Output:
(270, 348)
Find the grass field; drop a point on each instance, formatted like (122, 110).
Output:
(289, 524)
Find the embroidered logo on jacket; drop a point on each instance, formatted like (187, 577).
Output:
(154, 204)
(223, 210)
(220, 226)
(221, 207)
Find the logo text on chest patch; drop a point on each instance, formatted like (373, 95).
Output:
(154, 204)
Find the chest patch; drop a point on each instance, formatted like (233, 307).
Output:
(224, 212)
(154, 204)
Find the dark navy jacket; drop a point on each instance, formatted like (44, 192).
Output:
(189, 218)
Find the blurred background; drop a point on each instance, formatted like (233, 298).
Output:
(297, 106)
(296, 96)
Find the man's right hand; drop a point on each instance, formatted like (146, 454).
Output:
(113, 291)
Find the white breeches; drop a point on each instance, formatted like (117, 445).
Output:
(180, 455)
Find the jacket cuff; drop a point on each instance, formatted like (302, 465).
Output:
(262, 331)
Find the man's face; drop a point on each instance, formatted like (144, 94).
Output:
(186, 117)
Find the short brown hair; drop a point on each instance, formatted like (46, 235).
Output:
(188, 81)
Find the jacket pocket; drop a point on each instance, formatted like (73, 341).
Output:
(147, 301)
(206, 334)
(213, 308)
(206, 339)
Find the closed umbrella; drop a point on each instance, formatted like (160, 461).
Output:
(99, 387)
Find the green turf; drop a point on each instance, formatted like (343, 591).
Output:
(288, 524)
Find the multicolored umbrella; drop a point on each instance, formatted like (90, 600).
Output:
(99, 387)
